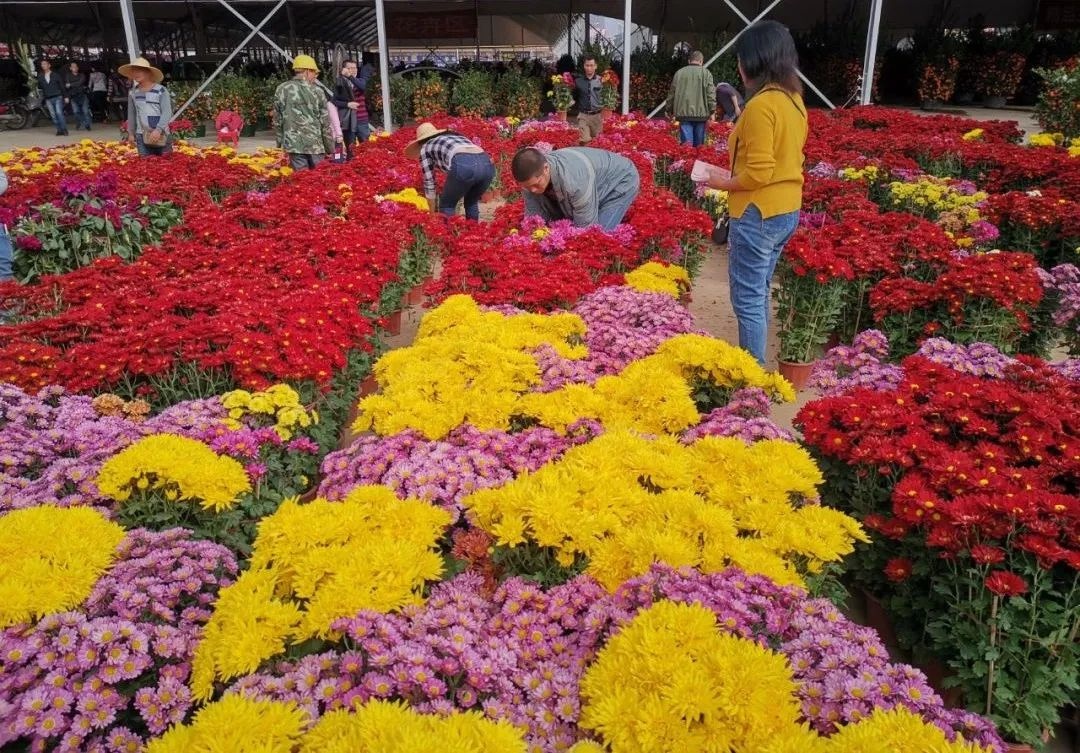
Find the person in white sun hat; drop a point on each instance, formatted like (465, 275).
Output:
(469, 169)
(149, 108)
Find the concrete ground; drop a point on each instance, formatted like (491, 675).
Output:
(44, 135)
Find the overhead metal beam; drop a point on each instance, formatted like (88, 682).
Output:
(251, 26)
(805, 80)
(726, 47)
(228, 59)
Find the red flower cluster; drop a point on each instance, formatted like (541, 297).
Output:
(983, 466)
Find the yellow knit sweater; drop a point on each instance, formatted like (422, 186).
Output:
(767, 149)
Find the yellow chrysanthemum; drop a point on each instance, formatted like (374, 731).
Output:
(407, 196)
(654, 277)
(669, 680)
(278, 406)
(624, 502)
(1046, 139)
(316, 563)
(238, 725)
(973, 135)
(933, 194)
(898, 729)
(50, 559)
(385, 726)
(868, 173)
(178, 466)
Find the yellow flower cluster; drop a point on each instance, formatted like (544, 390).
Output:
(50, 559)
(1074, 147)
(471, 366)
(85, 156)
(266, 162)
(279, 404)
(973, 135)
(236, 724)
(869, 173)
(385, 727)
(669, 680)
(316, 563)
(716, 202)
(465, 365)
(1046, 139)
(625, 502)
(933, 194)
(183, 469)
(407, 196)
(654, 277)
(88, 156)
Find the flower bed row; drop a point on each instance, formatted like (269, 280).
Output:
(554, 448)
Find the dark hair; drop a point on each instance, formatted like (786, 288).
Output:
(587, 58)
(767, 54)
(527, 163)
(347, 62)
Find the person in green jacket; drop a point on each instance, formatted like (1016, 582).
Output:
(693, 99)
(300, 117)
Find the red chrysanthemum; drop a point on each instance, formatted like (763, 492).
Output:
(987, 555)
(1005, 583)
(898, 569)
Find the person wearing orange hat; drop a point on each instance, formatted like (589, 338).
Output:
(469, 169)
(301, 118)
(149, 108)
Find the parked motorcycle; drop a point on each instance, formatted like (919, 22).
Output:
(14, 114)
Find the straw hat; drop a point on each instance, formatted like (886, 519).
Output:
(155, 73)
(424, 132)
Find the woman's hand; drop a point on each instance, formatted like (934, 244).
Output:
(720, 178)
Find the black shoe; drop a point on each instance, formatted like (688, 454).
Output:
(88, 128)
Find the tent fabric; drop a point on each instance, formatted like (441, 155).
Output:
(353, 21)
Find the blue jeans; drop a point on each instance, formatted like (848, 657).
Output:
(6, 255)
(614, 206)
(469, 176)
(692, 131)
(157, 151)
(754, 246)
(80, 106)
(362, 132)
(55, 107)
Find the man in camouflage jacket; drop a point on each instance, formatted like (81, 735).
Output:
(301, 118)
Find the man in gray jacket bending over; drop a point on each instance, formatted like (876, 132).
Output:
(584, 185)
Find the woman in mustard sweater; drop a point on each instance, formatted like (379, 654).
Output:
(765, 182)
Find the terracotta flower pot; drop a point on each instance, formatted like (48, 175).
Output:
(415, 295)
(1018, 748)
(393, 323)
(605, 112)
(560, 115)
(368, 386)
(796, 373)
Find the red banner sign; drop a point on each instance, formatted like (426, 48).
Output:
(449, 25)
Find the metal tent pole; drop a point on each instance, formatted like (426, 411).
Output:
(384, 65)
(130, 33)
(626, 34)
(871, 51)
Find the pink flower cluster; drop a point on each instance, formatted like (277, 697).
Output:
(79, 681)
(444, 471)
(518, 655)
(746, 416)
